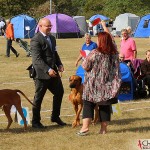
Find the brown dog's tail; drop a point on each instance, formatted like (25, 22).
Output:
(25, 97)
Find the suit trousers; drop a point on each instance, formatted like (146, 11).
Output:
(54, 85)
(104, 111)
(9, 47)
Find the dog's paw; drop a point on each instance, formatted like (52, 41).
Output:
(78, 122)
(74, 124)
(94, 122)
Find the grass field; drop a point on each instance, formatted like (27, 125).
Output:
(123, 132)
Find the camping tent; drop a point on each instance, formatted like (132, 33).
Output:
(102, 17)
(80, 20)
(64, 26)
(143, 27)
(24, 26)
(97, 28)
(124, 20)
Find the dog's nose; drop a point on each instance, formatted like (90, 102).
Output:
(72, 85)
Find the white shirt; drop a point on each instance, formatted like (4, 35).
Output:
(2, 23)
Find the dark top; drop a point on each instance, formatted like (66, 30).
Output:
(145, 67)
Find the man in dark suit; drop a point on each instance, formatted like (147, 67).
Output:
(47, 64)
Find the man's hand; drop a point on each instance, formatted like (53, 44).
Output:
(12, 39)
(52, 73)
(60, 68)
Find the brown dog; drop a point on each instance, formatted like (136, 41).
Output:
(75, 83)
(8, 98)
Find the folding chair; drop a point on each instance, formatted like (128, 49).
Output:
(127, 86)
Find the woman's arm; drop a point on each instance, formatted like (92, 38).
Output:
(88, 61)
(103, 23)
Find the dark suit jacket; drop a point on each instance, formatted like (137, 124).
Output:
(43, 57)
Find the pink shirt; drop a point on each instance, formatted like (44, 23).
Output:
(127, 48)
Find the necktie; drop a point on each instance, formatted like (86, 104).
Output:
(49, 41)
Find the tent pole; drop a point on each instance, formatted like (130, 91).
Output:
(57, 36)
(50, 6)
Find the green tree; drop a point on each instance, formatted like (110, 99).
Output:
(116, 7)
(64, 6)
(11, 8)
(93, 7)
(87, 8)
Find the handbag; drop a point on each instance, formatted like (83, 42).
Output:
(32, 72)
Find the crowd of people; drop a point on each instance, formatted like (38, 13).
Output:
(102, 79)
(102, 69)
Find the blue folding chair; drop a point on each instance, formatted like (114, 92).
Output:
(80, 72)
(127, 86)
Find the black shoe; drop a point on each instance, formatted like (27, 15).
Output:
(7, 56)
(58, 121)
(38, 126)
(28, 55)
(17, 54)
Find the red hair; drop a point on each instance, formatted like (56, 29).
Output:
(105, 44)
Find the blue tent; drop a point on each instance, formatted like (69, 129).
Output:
(24, 26)
(143, 27)
(102, 17)
(98, 28)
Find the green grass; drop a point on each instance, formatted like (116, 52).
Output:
(123, 131)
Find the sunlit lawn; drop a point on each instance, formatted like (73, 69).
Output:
(123, 132)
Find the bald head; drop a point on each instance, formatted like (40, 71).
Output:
(45, 26)
(7, 21)
(121, 57)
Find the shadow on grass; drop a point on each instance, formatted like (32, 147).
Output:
(132, 129)
(30, 129)
(128, 121)
(122, 122)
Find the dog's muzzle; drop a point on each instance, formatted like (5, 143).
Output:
(72, 85)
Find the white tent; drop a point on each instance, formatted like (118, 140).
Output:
(124, 20)
(80, 20)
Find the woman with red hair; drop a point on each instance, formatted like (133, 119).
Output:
(102, 81)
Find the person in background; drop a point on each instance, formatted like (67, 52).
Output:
(129, 32)
(127, 46)
(129, 29)
(102, 81)
(121, 57)
(47, 64)
(145, 68)
(10, 37)
(128, 62)
(88, 45)
(2, 25)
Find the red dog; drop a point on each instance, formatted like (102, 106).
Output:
(11, 97)
(75, 83)
(76, 97)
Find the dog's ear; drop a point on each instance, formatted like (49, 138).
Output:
(69, 78)
(80, 79)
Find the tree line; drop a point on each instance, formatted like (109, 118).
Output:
(87, 8)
